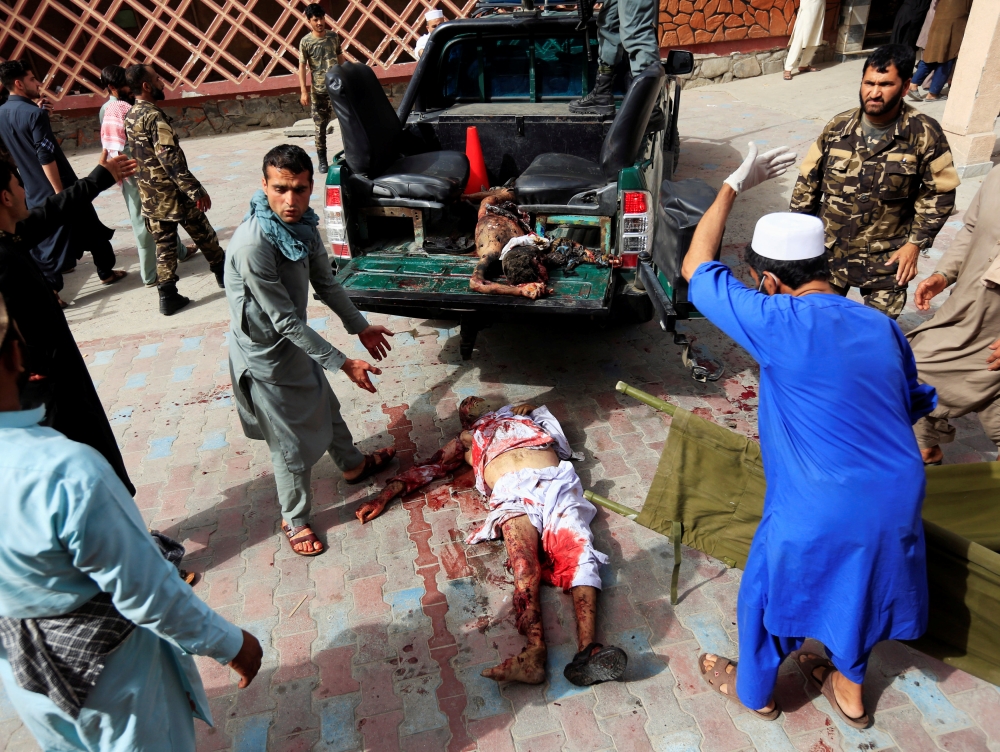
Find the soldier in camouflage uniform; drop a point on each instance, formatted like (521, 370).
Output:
(882, 180)
(320, 51)
(169, 193)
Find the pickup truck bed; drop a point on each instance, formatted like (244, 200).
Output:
(440, 283)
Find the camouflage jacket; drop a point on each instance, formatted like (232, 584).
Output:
(874, 200)
(163, 177)
(320, 55)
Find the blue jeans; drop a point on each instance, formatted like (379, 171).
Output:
(941, 71)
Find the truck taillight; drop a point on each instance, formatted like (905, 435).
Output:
(637, 226)
(336, 227)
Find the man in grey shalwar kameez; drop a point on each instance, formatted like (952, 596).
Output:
(958, 350)
(276, 361)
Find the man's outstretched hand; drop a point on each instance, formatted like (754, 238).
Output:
(247, 661)
(358, 370)
(758, 168)
(994, 359)
(927, 289)
(375, 342)
(120, 167)
(524, 409)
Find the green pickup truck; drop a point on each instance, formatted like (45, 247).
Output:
(401, 234)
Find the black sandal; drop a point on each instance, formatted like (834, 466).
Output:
(587, 667)
(374, 463)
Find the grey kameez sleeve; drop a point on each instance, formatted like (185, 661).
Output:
(952, 260)
(261, 277)
(331, 292)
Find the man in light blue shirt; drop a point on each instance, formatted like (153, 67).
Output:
(73, 545)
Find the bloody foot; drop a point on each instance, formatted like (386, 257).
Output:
(528, 667)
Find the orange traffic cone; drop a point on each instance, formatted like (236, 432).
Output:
(478, 180)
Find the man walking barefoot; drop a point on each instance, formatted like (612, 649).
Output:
(276, 361)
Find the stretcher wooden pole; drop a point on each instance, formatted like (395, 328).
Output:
(676, 529)
(611, 506)
(654, 402)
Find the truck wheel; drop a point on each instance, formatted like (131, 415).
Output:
(631, 306)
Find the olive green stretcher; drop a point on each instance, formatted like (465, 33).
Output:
(708, 493)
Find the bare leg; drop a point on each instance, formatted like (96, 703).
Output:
(522, 540)
(585, 607)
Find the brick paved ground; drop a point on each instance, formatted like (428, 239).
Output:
(378, 643)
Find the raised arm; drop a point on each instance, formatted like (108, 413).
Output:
(56, 210)
(754, 170)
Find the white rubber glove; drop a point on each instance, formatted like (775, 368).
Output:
(756, 169)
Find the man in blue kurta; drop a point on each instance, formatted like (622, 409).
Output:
(839, 553)
(96, 628)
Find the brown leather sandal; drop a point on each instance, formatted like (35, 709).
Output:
(861, 722)
(299, 537)
(374, 463)
(718, 671)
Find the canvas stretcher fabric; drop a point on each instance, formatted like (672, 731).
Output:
(711, 480)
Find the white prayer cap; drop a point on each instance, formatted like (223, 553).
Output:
(788, 236)
(433, 15)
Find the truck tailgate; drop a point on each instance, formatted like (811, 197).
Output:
(441, 283)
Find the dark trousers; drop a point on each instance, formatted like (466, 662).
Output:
(941, 71)
(61, 251)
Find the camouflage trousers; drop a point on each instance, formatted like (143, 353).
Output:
(322, 113)
(890, 302)
(165, 234)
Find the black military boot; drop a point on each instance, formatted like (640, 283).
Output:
(600, 101)
(323, 166)
(171, 301)
(219, 270)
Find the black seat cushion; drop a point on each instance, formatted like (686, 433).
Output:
(434, 176)
(556, 178)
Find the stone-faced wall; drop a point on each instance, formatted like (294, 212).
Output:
(205, 117)
(685, 22)
(200, 118)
